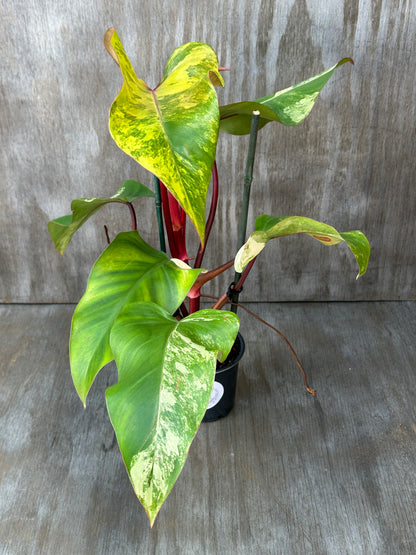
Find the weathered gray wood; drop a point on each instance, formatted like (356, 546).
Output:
(351, 163)
(284, 473)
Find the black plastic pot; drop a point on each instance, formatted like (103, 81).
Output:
(223, 392)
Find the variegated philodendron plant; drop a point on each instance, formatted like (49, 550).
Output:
(135, 308)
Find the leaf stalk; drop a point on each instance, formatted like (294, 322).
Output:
(211, 216)
(158, 204)
(133, 216)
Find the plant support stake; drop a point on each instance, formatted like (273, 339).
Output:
(248, 178)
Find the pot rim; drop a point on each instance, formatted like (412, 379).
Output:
(231, 365)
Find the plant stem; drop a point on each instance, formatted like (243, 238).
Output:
(106, 234)
(195, 292)
(211, 216)
(194, 304)
(158, 203)
(248, 177)
(244, 275)
(183, 310)
(211, 274)
(168, 221)
(309, 389)
(224, 300)
(133, 216)
(178, 220)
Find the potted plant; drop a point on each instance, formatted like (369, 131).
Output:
(141, 307)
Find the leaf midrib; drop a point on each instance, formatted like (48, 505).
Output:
(168, 141)
(159, 113)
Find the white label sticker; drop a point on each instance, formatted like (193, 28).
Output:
(216, 394)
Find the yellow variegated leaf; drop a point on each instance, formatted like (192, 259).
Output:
(165, 381)
(289, 106)
(269, 227)
(171, 130)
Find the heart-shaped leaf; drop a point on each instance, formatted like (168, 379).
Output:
(289, 106)
(166, 372)
(128, 270)
(62, 229)
(171, 130)
(269, 227)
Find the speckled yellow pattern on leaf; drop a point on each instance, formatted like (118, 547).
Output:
(172, 130)
(165, 380)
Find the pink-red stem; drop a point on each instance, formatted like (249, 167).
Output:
(194, 303)
(222, 301)
(178, 219)
(211, 216)
(168, 221)
(175, 222)
(133, 216)
(238, 286)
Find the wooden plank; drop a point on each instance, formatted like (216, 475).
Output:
(350, 164)
(284, 473)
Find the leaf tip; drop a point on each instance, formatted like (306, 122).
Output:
(151, 513)
(109, 45)
(362, 271)
(82, 396)
(216, 78)
(344, 61)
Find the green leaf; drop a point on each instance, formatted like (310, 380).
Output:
(61, 232)
(360, 247)
(172, 130)
(62, 229)
(269, 227)
(128, 270)
(289, 106)
(166, 372)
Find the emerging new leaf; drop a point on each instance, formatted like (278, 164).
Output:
(269, 227)
(289, 106)
(128, 270)
(166, 372)
(171, 130)
(62, 229)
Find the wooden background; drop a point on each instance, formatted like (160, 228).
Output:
(285, 473)
(350, 164)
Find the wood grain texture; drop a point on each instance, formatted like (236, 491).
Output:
(283, 473)
(351, 163)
